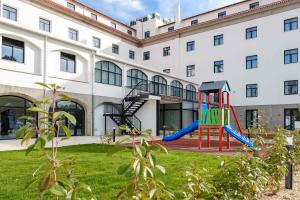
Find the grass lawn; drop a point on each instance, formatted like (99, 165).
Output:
(95, 168)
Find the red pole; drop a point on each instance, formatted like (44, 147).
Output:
(236, 119)
(220, 138)
(228, 113)
(208, 130)
(199, 126)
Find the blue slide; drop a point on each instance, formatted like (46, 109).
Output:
(193, 126)
(246, 141)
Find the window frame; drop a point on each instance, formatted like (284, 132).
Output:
(167, 51)
(135, 76)
(222, 14)
(251, 90)
(115, 49)
(254, 5)
(98, 42)
(191, 92)
(288, 57)
(131, 54)
(290, 24)
(72, 31)
(146, 34)
(67, 57)
(190, 46)
(194, 22)
(146, 55)
(251, 32)
(254, 119)
(43, 24)
(290, 89)
(100, 70)
(250, 60)
(171, 28)
(13, 44)
(190, 71)
(219, 40)
(219, 64)
(94, 16)
(9, 10)
(176, 88)
(113, 25)
(71, 6)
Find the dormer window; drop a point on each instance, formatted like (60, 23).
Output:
(71, 6)
(147, 34)
(254, 5)
(94, 16)
(222, 14)
(114, 25)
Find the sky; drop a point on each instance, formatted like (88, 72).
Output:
(127, 10)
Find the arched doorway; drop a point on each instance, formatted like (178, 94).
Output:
(11, 109)
(78, 112)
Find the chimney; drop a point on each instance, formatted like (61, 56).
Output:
(177, 16)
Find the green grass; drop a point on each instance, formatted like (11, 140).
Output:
(95, 168)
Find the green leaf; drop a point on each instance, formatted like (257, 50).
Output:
(45, 181)
(43, 85)
(161, 168)
(138, 150)
(58, 190)
(70, 117)
(65, 97)
(36, 109)
(29, 184)
(21, 131)
(152, 193)
(27, 137)
(67, 131)
(30, 149)
(86, 187)
(123, 168)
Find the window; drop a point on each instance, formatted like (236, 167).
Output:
(190, 46)
(12, 109)
(251, 62)
(194, 22)
(115, 49)
(190, 70)
(291, 87)
(251, 119)
(147, 34)
(10, 13)
(108, 73)
(251, 90)
(166, 51)
(171, 29)
(191, 93)
(251, 33)
(73, 34)
(44, 25)
(218, 40)
(168, 71)
(254, 5)
(147, 55)
(218, 66)
(67, 63)
(71, 6)
(222, 14)
(114, 25)
(134, 77)
(131, 54)
(12, 50)
(96, 42)
(94, 16)
(129, 32)
(291, 56)
(176, 89)
(291, 24)
(159, 85)
(290, 116)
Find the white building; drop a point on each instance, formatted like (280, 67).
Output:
(251, 44)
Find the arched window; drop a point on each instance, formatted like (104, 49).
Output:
(159, 85)
(11, 109)
(176, 89)
(108, 73)
(135, 76)
(191, 92)
(77, 111)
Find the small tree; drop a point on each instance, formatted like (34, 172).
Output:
(47, 128)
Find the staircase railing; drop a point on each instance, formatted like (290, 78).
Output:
(135, 122)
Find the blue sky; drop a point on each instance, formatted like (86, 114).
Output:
(127, 10)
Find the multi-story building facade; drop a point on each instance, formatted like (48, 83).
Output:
(251, 44)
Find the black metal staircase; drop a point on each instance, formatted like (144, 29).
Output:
(124, 113)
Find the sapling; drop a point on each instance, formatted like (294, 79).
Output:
(48, 128)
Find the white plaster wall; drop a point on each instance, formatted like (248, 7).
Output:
(147, 114)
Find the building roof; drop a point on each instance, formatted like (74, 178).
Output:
(214, 86)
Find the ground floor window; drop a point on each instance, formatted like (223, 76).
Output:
(11, 109)
(78, 112)
(290, 118)
(251, 119)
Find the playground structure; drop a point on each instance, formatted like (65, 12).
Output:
(214, 114)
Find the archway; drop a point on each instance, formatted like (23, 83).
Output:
(11, 109)
(78, 112)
